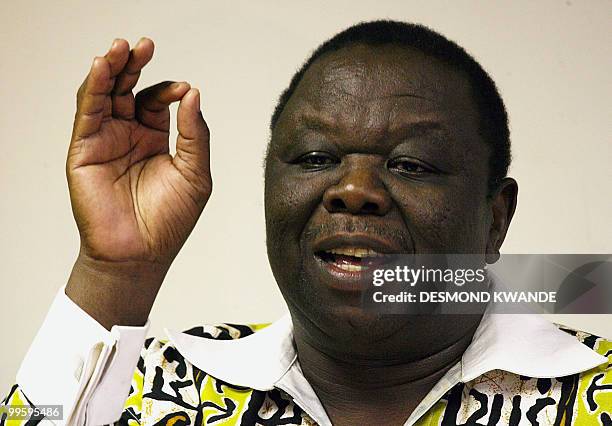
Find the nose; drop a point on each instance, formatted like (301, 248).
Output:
(360, 191)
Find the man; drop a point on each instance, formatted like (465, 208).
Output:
(390, 140)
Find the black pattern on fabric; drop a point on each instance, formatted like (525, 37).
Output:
(168, 390)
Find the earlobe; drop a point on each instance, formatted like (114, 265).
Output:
(503, 205)
(492, 254)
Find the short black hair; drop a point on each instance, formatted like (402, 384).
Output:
(493, 116)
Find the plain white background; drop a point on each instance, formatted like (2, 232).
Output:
(551, 60)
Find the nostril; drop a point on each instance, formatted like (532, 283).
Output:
(338, 204)
(369, 207)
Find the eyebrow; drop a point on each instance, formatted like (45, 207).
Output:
(316, 123)
(417, 129)
(406, 129)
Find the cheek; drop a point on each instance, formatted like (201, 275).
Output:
(443, 219)
(289, 203)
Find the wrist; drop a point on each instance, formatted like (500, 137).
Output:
(115, 293)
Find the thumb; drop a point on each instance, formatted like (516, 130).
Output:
(192, 157)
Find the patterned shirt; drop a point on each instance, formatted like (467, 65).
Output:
(168, 388)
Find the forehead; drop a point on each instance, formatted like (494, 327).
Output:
(380, 89)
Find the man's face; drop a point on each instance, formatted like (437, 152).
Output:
(377, 150)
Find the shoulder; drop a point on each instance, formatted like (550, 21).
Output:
(166, 382)
(593, 396)
(601, 345)
(579, 399)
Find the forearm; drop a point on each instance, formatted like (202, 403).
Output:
(115, 293)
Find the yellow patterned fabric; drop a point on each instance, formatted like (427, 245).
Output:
(168, 390)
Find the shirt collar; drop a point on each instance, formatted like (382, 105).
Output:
(256, 361)
(524, 344)
(527, 345)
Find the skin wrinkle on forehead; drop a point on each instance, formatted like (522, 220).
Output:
(309, 120)
(320, 108)
(345, 75)
(348, 74)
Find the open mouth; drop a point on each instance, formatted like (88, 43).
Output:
(351, 259)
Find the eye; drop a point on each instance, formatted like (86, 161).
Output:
(406, 166)
(316, 160)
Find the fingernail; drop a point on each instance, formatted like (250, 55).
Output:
(179, 84)
(114, 43)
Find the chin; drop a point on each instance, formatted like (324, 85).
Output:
(355, 325)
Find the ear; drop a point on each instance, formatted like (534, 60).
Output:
(502, 205)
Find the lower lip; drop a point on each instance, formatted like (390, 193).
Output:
(351, 281)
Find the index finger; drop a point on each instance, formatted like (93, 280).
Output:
(93, 100)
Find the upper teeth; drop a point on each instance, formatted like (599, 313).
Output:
(354, 251)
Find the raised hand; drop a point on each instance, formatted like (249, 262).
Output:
(134, 204)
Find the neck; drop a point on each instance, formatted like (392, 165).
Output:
(354, 389)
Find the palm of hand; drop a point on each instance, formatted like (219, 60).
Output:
(131, 199)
